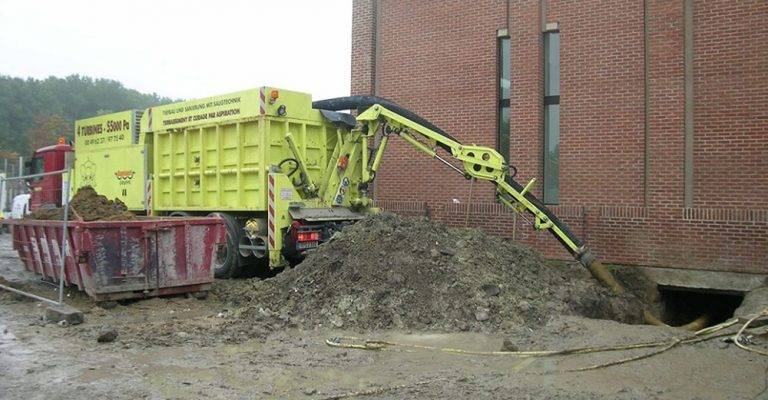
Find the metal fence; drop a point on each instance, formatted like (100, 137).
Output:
(10, 168)
(61, 191)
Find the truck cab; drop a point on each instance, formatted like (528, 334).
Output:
(46, 190)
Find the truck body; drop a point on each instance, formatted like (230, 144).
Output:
(111, 260)
(47, 190)
(228, 156)
(215, 154)
(112, 157)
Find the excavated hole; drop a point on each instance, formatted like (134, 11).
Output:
(681, 306)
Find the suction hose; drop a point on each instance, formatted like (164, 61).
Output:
(693, 326)
(605, 277)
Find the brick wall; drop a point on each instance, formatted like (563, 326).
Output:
(731, 108)
(362, 47)
(618, 124)
(601, 84)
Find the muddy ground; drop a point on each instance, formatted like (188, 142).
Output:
(222, 348)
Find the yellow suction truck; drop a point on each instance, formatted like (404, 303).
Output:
(283, 176)
(283, 172)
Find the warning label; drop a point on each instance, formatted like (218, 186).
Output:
(209, 110)
(105, 130)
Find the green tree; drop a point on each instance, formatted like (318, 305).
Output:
(34, 104)
(47, 130)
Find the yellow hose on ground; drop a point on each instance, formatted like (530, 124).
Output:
(352, 342)
(705, 334)
(698, 336)
(737, 336)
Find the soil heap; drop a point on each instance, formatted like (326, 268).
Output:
(388, 272)
(87, 205)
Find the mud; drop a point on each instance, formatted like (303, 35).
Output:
(389, 272)
(182, 348)
(87, 205)
(382, 273)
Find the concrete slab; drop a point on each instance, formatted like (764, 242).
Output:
(64, 312)
(701, 280)
(754, 302)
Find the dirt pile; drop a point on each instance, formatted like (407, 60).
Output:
(87, 205)
(390, 272)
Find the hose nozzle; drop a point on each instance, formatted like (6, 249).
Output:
(601, 273)
(598, 270)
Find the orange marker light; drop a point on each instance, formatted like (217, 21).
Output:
(273, 95)
(62, 140)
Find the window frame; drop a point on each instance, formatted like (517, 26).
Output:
(503, 99)
(551, 99)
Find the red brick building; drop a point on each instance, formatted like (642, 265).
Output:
(653, 115)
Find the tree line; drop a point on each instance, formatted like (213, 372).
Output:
(35, 113)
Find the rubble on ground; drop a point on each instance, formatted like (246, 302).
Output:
(389, 272)
(86, 205)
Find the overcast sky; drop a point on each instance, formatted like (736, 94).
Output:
(182, 49)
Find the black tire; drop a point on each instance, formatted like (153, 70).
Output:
(107, 305)
(179, 214)
(201, 295)
(227, 265)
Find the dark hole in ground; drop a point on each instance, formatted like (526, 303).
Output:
(258, 268)
(683, 306)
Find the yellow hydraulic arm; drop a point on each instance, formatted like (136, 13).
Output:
(378, 115)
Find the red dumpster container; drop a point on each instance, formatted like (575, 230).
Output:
(113, 260)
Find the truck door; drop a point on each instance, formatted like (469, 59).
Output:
(46, 190)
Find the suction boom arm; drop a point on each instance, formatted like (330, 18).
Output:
(476, 162)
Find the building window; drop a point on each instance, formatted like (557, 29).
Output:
(551, 117)
(504, 93)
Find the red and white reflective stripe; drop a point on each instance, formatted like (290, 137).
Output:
(148, 196)
(271, 212)
(263, 98)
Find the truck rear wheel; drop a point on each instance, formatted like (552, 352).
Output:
(227, 262)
